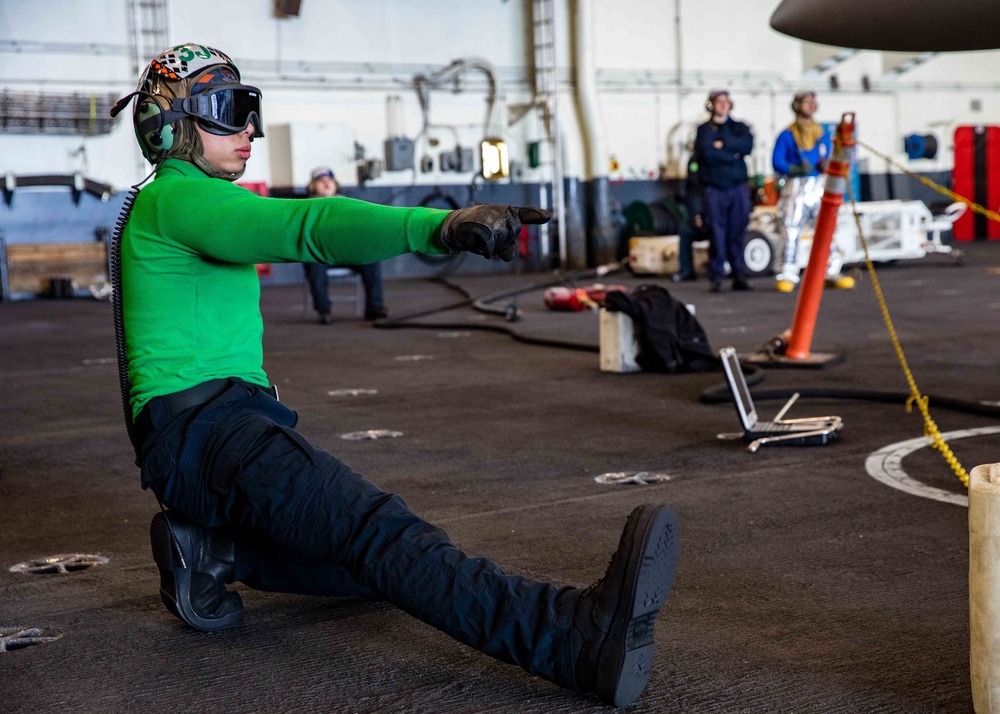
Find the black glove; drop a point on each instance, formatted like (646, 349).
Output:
(488, 230)
(803, 169)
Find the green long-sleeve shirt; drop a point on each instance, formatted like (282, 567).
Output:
(190, 290)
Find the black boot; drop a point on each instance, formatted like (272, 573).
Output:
(613, 623)
(194, 569)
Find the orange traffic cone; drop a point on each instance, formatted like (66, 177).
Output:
(799, 338)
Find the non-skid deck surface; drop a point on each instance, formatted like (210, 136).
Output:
(804, 585)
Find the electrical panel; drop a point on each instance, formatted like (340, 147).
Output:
(460, 160)
(369, 169)
(398, 154)
(465, 161)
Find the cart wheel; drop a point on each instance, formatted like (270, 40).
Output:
(758, 254)
(959, 257)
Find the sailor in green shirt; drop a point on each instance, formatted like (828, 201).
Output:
(250, 499)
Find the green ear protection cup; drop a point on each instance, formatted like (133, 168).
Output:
(159, 141)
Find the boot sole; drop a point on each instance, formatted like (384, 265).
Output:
(650, 577)
(175, 580)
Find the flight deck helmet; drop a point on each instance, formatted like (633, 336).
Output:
(186, 84)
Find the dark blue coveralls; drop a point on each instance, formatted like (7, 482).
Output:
(726, 196)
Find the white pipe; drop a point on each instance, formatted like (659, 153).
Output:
(558, 163)
(570, 147)
(496, 123)
(586, 91)
(678, 57)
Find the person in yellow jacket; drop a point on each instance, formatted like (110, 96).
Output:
(801, 154)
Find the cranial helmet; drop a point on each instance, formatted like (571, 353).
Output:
(186, 84)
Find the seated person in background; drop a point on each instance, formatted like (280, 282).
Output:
(323, 184)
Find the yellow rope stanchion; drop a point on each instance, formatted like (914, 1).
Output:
(930, 428)
(973, 206)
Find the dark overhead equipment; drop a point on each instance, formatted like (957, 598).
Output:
(896, 26)
(289, 8)
(76, 114)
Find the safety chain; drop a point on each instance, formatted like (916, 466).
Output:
(973, 206)
(930, 428)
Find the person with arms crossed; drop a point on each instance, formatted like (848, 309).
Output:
(721, 146)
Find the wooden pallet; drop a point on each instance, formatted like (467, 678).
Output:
(31, 266)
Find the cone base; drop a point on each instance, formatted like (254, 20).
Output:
(816, 360)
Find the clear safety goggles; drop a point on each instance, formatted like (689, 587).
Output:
(226, 109)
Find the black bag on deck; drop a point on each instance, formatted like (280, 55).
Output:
(670, 338)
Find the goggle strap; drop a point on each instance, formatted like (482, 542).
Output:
(196, 106)
(160, 120)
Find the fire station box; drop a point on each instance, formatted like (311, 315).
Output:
(976, 176)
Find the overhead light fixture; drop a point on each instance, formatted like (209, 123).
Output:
(495, 162)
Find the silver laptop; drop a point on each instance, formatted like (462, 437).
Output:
(779, 431)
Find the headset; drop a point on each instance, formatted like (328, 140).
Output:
(156, 135)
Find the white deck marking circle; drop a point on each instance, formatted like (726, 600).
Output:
(886, 465)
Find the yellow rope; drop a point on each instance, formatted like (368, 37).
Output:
(973, 206)
(930, 428)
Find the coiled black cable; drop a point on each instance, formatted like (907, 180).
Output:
(121, 351)
(116, 306)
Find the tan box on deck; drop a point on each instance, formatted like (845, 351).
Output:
(699, 256)
(654, 255)
(618, 344)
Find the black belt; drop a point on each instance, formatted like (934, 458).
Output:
(174, 404)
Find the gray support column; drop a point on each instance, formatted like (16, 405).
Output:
(600, 234)
(576, 233)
